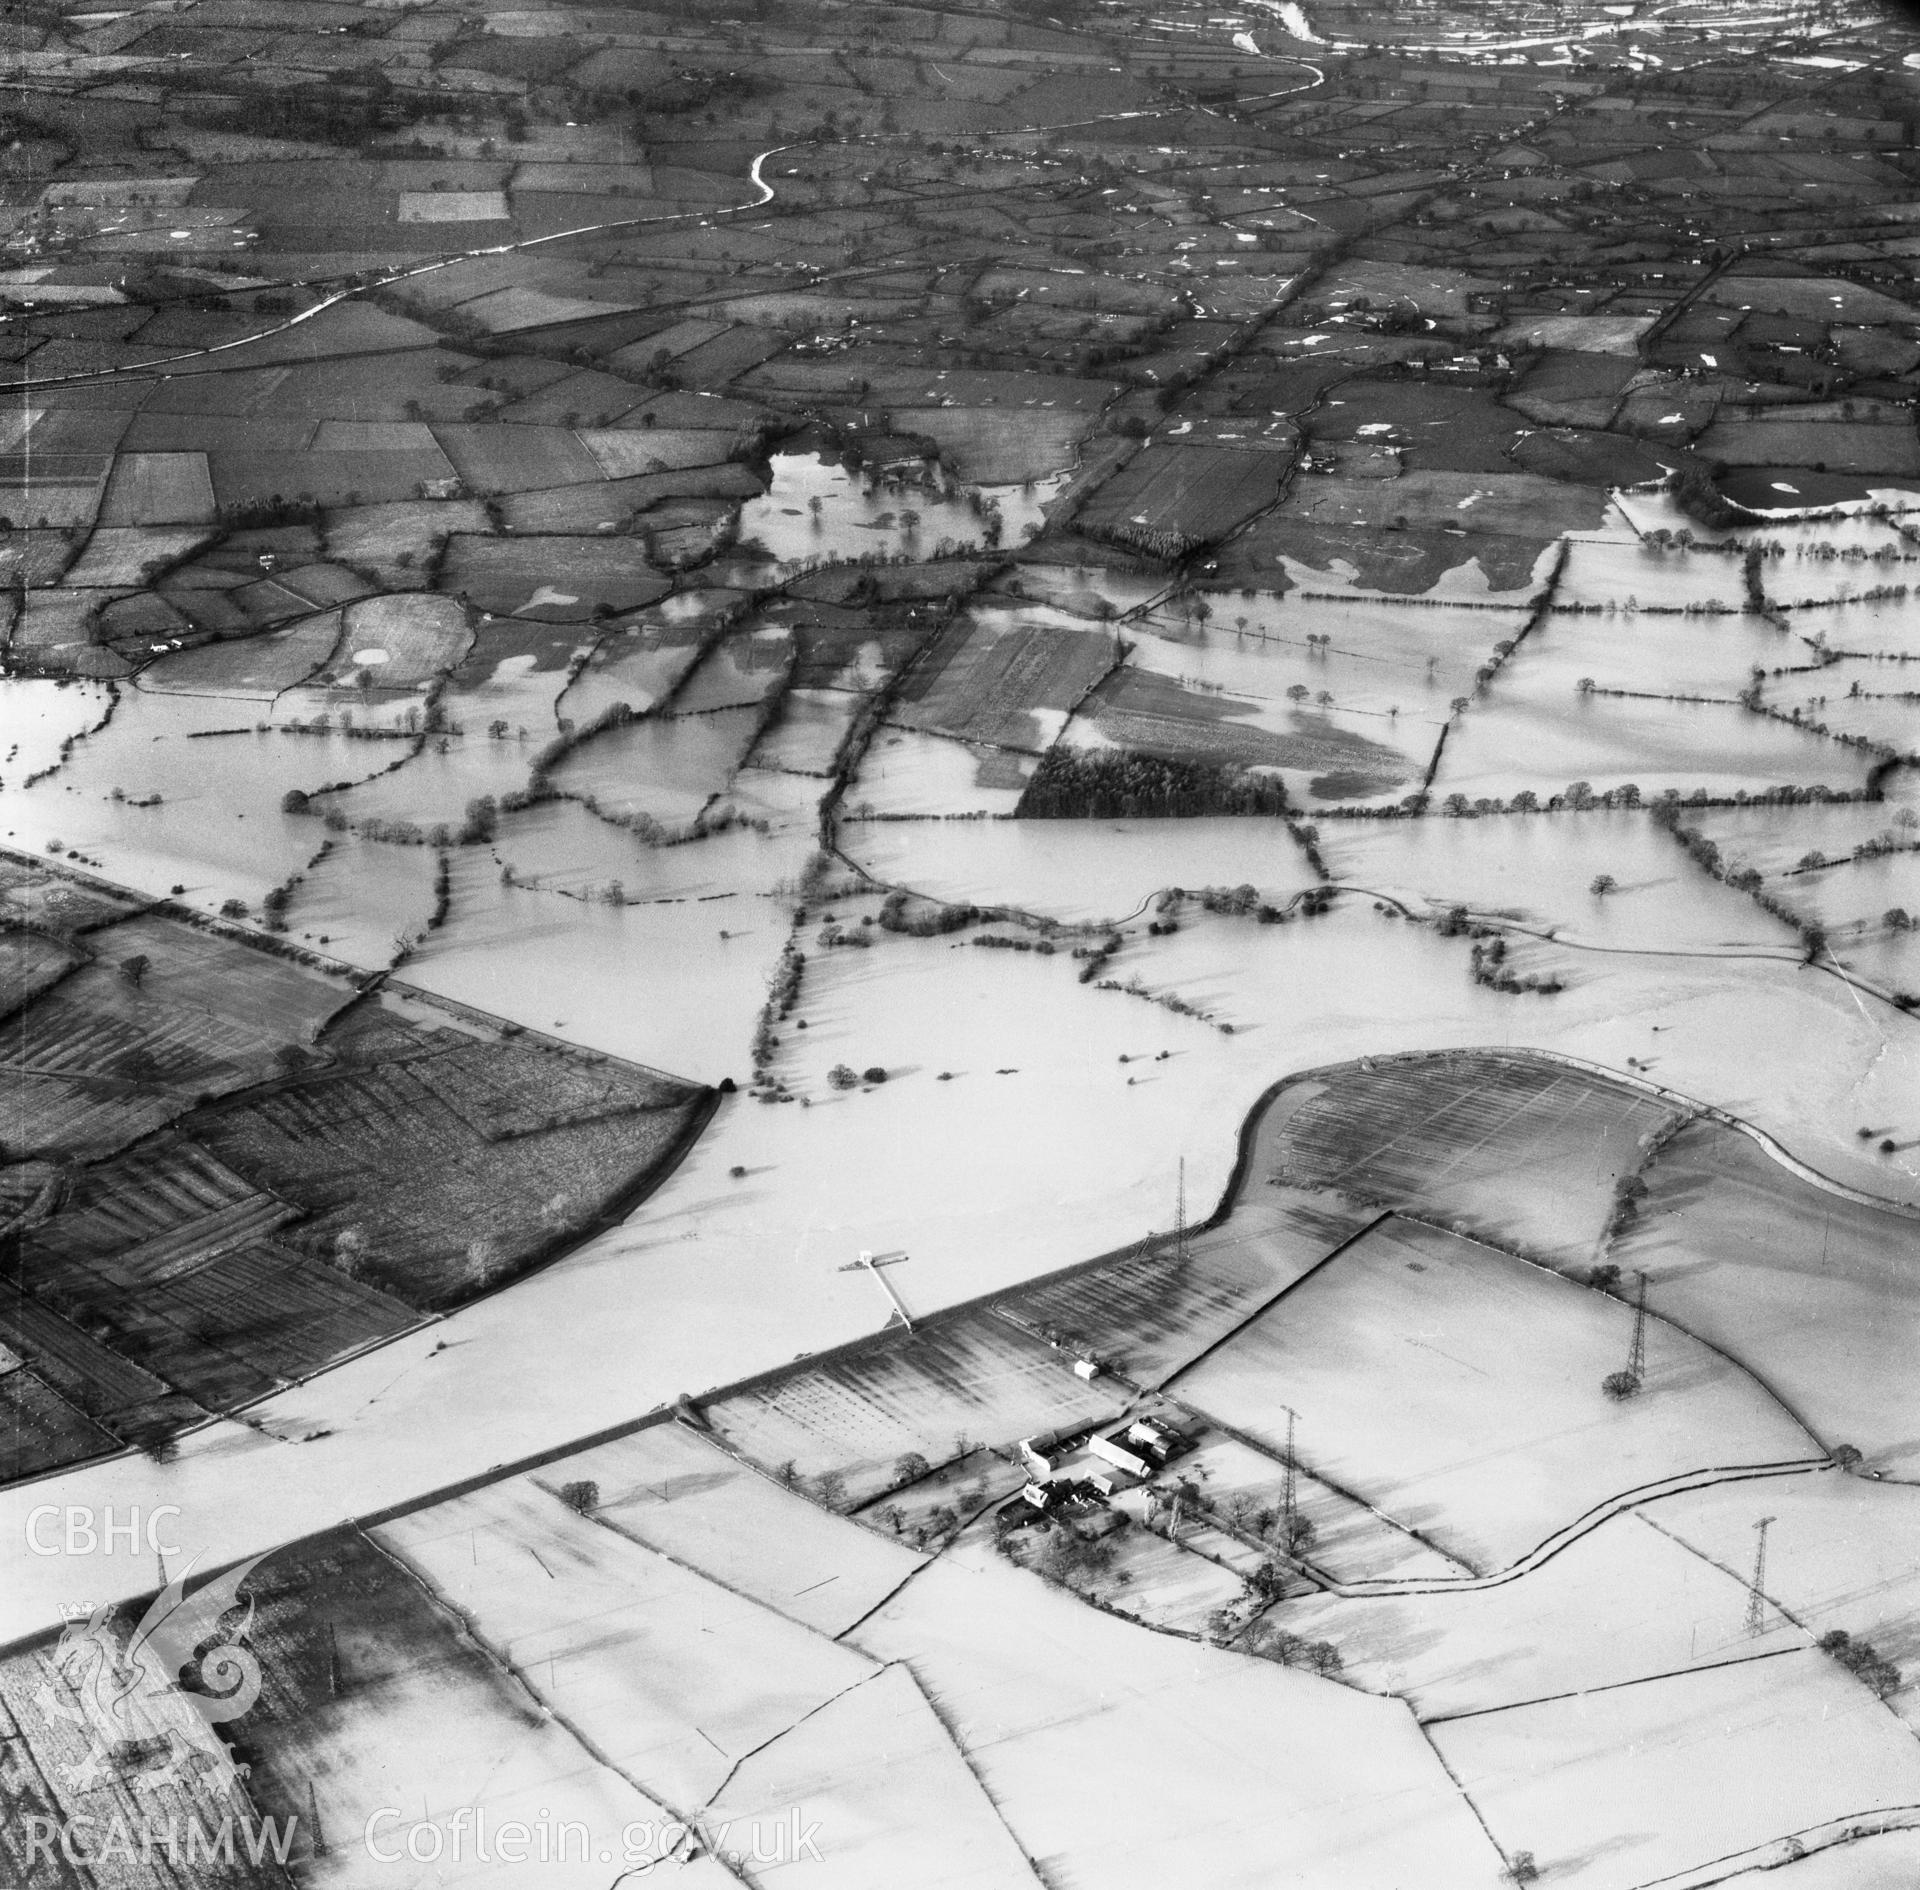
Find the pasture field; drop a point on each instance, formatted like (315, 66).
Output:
(1858, 904)
(677, 1493)
(158, 489)
(1618, 1788)
(1459, 1391)
(742, 670)
(1622, 1604)
(1149, 1312)
(1527, 1154)
(1169, 499)
(653, 504)
(29, 964)
(1082, 874)
(253, 666)
(1534, 731)
(1885, 721)
(667, 768)
(400, 642)
(1243, 1488)
(1330, 759)
(1891, 452)
(1398, 666)
(677, 900)
(552, 578)
(624, 452)
(992, 679)
(1327, 1785)
(246, 477)
(877, 1766)
(395, 542)
(905, 773)
(643, 658)
(672, 1676)
(983, 450)
(371, 1676)
(1806, 1289)
(1538, 872)
(1608, 576)
(491, 459)
(1812, 298)
(1280, 552)
(117, 556)
(1579, 334)
(939, 1392)
(1841, 1553)
(808, 733)
(100, 1030)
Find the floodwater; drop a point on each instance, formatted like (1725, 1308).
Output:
(217, 828)
(1073, 870)
(817, 512)
(1081, 1159)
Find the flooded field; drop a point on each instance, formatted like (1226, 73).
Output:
(1078, 873)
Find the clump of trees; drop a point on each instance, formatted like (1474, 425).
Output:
(1863, 1660)
(1292, 1650)
(1111, 784)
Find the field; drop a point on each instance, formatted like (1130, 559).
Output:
(977, 444)
(158, 489)
(596, 577)
(668, 768)
(1623, 1604)
(877, 1766)
(1150, 1312)
(1788, 1278)
(1419, 1362)
(673, 1677)
(1648, 1781)
(605, 521)
(1534, 732)
(1522, 1153)
(991, 679)
(374, 1677)
(679, 1494)
(1323, 752)
(938, 1393)
(231, 1258)
(1015, 1668)
(1170, 499)
(434, 1166)
(1539, 873)
(400, 642)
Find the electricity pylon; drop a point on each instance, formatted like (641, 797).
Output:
(1756, 1596)
(1637, 1357)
